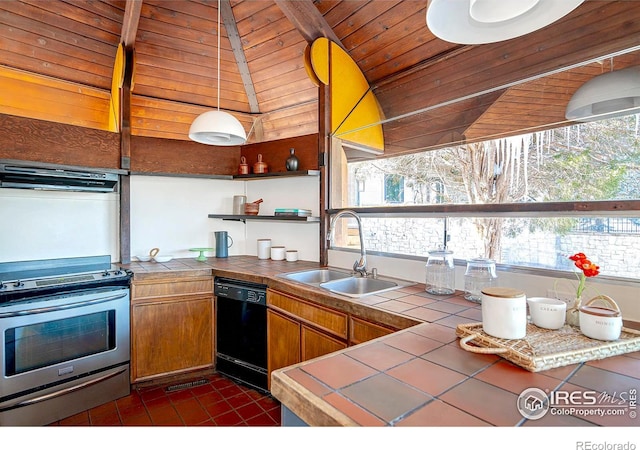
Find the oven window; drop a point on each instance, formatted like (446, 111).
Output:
(34, 346)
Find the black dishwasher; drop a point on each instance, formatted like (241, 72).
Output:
(241, 331)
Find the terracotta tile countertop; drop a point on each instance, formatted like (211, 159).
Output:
(420, 376)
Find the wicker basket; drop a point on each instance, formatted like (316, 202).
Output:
(543, 349)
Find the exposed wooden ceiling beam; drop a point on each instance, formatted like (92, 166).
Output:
(308, 20)
(130, 22)
(236, 45)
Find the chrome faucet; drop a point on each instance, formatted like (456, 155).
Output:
(360, 266)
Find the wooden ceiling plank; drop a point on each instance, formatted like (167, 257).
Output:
(371, 16)
(14, 19)
(201, 74)
(179, 82)
(58, 71)
(21, 41)
(69, 16)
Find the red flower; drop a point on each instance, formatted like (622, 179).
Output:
(588, 269)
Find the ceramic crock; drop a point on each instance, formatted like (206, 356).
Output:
(504, 312)
(601, 322)
(243, 168)
(260, 166)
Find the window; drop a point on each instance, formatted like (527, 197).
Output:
(525, 201)
(393, 188)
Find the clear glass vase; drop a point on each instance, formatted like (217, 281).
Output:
(573, 312)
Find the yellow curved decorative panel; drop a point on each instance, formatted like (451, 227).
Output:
(320, 59)
(365, 113)
(353, 105)
(115, 120)
(308, 66)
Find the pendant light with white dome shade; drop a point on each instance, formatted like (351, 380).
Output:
(609, 95)
(486, 21)
(217, 127)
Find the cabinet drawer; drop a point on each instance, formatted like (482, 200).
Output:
(326, 319)
(158, 288)
(363, 331)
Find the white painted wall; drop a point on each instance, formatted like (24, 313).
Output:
(52, 224)
(171, 213)
(297, 192)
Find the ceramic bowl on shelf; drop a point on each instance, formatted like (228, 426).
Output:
(253, 208)
(143, 258)
(162, 258)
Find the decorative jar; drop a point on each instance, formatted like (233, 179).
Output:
(292, 161)
(504, 312)
(601, 322)
(440, 278)
(480, 274)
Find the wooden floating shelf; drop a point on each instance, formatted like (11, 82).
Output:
(261, 176)
(245, 217)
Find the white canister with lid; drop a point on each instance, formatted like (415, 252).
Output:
(601, 322)
(278, 252)
(504, 312)
(264, 248)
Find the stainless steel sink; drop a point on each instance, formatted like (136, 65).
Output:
(345, 283)
(359, 286)
(317, 276)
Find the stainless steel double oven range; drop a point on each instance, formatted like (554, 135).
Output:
(64, 337)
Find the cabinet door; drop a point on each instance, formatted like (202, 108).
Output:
(169, 337)
(316, 343)
(283, 341)
(363, 331)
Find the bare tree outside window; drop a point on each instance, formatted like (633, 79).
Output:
(584, 162)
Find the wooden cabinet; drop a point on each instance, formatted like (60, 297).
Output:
(298, 330)
(361, 330)
(315, 343)
(284, 342)
(172, 326)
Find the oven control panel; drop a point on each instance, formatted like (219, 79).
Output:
(48, 282)
(241, 291)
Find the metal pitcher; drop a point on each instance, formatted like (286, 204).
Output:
(223, 242)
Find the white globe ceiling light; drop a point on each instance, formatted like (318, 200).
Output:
(611, 94)
(486, 21)
(217, 127)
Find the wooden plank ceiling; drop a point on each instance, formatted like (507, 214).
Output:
(427, 88)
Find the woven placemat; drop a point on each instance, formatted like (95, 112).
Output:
(543, 349)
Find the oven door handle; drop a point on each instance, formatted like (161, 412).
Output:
(96, 301)
(68, 390)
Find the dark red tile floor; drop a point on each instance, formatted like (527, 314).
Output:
(218, 402)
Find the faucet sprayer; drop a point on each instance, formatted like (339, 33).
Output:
(359, 266)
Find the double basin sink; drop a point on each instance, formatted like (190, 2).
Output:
(345, 283)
